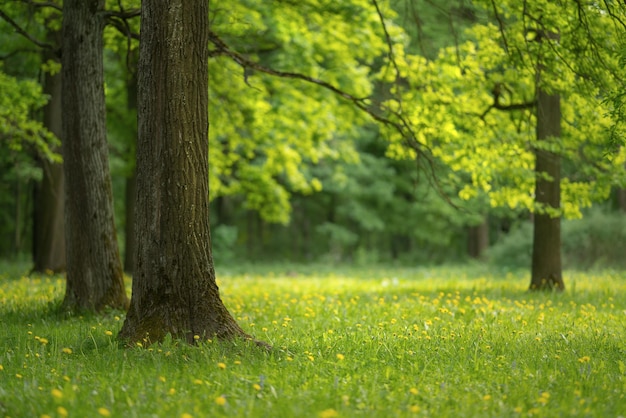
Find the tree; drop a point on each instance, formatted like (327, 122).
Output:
(49, 199)
(174, 287)
(493, 107)
(94, 270)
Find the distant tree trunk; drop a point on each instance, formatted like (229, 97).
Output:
(130, 238)
(478, 239)
(48, 222)
(621, 199)
(94, 268)
(546, 256)
(174, 287)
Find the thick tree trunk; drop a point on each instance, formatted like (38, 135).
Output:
(546, 257)
(94, 269)
(48, 222)
(478, 239)
(174, 288)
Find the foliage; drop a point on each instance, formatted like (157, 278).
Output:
(393, 342)
(473, 104)
(265, 131)
(24, 141)
(594, 242)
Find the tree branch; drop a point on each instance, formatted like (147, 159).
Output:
(402, 126)
(25, 34)
(41, 4)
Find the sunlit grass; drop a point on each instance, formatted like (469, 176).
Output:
(385, 342)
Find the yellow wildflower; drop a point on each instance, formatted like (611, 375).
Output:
(328, 413)
(104, 412)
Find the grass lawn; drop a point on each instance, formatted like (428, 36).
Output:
(431, 342)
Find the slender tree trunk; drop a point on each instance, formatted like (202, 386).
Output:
(174, 287)
(130, 238)
(94, 269)
(49, 203)
(478, 239)
(546, 257)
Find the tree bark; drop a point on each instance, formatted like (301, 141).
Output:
(174, 287)
(48, 222)
(94, 269)
(546, 256)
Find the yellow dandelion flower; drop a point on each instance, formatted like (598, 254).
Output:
(104, 412)
(186, 415)
(67, 350)
(256, 386)
(328, 413)
(340, 356)
(197, 381)
(220, 400)
(413, 391)
(584, 359)
(196, 337)
(311, 357)
(108, 333)
(171, 391)
(57, 393)
(486, 397)
(236, 362)
(414, 408)
(19, 376)
(221, 365)
(62, 411)
(43, 341)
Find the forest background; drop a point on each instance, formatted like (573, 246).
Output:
(300, 173)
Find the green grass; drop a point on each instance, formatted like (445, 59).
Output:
(440, 342)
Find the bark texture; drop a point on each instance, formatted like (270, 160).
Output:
(94, 269)
(174, 288)
(546, 257)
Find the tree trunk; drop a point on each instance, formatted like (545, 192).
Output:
(174, 287)
(478, 239)
(546, 257)
(48, 223)
(130, 238)
(94, 269)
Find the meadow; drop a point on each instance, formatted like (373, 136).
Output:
(423, 342)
